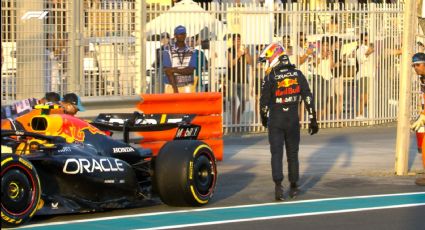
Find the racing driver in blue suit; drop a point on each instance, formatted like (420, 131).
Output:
(282, 89)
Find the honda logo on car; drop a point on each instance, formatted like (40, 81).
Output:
(123, 150)
(82, 165)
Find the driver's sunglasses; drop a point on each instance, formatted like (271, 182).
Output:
(416, 64)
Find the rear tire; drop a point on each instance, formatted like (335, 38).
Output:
(185, 173)
(20, 190)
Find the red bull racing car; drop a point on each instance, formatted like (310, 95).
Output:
(57, 163)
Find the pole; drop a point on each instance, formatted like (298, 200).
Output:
(403, 123)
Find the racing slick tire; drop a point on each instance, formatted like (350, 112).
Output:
(185, 173)
(20, 190)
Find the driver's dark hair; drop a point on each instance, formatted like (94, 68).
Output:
(52, 97)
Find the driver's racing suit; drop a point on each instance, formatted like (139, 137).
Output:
(282, 90)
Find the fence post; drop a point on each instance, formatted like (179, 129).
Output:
(403, 123)
(141, 15)
(76, 76)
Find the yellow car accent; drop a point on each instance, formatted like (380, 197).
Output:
(196, 197)
(6, 160)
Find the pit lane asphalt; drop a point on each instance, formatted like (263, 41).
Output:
(343, 162)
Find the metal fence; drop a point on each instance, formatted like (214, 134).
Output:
(86, 47)
(103, 49)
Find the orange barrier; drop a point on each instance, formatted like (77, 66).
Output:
(206, 106)
(189, 103)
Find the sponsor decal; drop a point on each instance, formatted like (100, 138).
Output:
(286, 74)
(123, 150)
(174, 120)
(287, 82)
(64, 149)
(75, 128)
(190, 170)
(19, 133)
(187, 132)
(109, 181)
(280, 100)
(288, 91)
(6, 149)
(308, 99)
(82, 165)
(26, 163)
(54, 205)
(279, 76)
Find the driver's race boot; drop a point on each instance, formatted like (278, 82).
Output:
(294, 190)
(278, 192)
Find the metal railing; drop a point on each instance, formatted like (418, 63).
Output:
(105, 49)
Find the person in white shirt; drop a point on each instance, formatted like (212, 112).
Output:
(324, 64)
(305, 53)
(364, 72)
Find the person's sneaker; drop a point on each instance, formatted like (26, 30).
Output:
(420, 181)
(278, 192)
(293, 190)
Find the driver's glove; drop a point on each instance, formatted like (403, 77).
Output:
(264, 114)
(313, 127)
(418, 123)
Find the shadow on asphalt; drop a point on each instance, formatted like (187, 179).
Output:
(236, 180)
(323, 159)
(228, 186)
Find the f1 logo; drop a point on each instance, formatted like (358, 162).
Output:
(34, 14)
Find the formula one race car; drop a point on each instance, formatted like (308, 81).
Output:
(57, 163)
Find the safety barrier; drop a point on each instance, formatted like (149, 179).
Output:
(206, 109)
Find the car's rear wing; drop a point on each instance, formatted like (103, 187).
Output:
(138, 122)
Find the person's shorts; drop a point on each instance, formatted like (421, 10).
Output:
(337, 86)
(362, 85)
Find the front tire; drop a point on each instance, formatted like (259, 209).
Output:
(185, 173)
(20, 190)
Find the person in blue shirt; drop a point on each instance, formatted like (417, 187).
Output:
(179, 62)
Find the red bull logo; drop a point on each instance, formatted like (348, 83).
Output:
(287, 82)
(288, 91)
(74, 127)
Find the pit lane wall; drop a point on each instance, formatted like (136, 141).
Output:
(207, 108)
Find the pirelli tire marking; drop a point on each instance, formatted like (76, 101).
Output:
(20, 190)
(202, 197)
